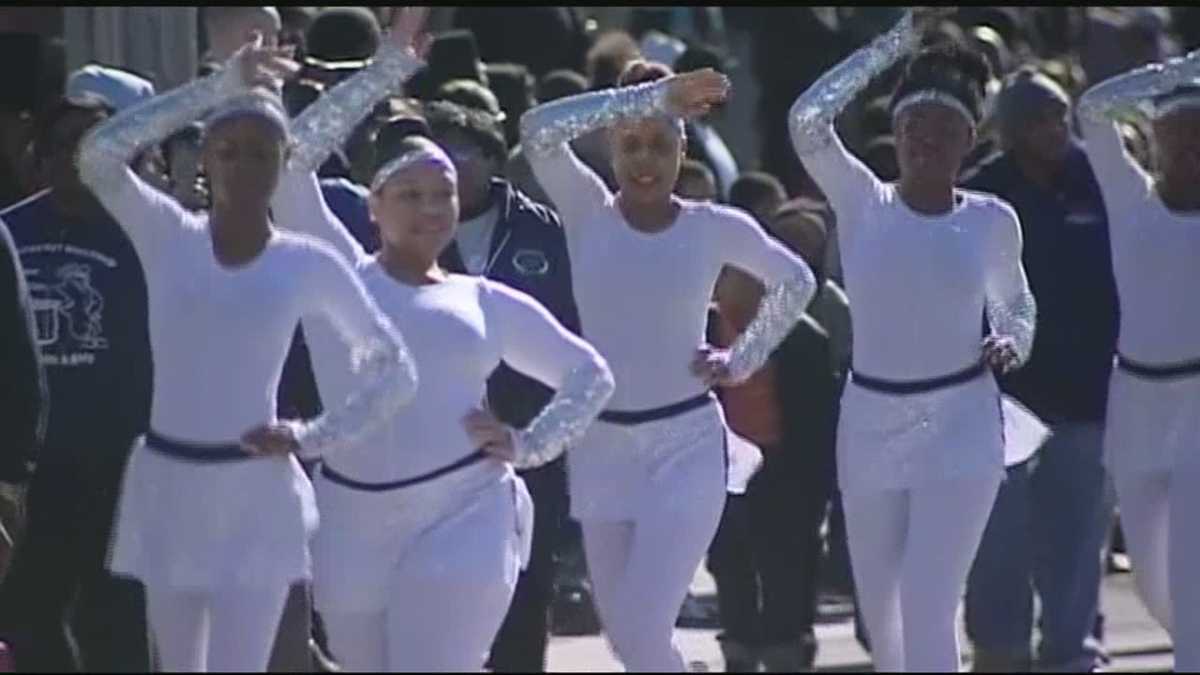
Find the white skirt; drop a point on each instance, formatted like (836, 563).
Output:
(204, 526)
(475, 523)
(891, 442)
(1153, 425)
(617, 472)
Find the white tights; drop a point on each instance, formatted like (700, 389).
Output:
(1158, 515)
(428, 627)
(911, 551)
(228, 630)
(640, 573)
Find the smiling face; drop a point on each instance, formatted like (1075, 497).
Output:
(417, 210)
(646, 155)
(931, 141)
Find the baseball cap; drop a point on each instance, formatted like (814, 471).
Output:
(116, 88)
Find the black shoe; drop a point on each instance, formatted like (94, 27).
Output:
(572, 612)
(739, 657)
(795, 656)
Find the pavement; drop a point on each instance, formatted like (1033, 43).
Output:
(1135, 640)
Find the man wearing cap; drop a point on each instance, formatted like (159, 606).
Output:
(505, 236)
(1051, 516)
(59, 608)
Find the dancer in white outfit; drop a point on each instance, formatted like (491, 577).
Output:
(424, 524)
(920, 446)
(1152, 443)
(215, 519)
(648, 480)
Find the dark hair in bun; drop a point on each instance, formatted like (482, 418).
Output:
(951, 69)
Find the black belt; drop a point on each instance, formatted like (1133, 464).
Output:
(196, 452)
(344, 481)
(632, 417)
(918, 386)
(1157, 372)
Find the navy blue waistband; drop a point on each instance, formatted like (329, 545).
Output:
(1158, 371)
(918, 386)
(345, 481)
(632, 417)
(195, 452)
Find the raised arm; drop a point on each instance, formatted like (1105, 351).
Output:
(386, 375)
(548, 129)
(105, 153)
(534, 343)
(790, 287)
(844, 179)
(1011, 310)
(1119, 98)
(328, 122)
(299, 205)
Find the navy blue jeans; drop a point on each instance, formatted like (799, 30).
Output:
(1046, 532)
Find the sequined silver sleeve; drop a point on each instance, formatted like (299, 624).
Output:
(811, 118)
(781, 307)
(386, 380)
(583, 394)
(328, 122)
(549, 126)
(110, 146)
(1015, 318)
(1131, 92)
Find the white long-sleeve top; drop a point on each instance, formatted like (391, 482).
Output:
(1156, 254)
(219, 335)
(1153, 424)
(461, 329)
(918, 284)
(643, 298)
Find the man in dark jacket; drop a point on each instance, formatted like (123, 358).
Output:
(1045, 175)
(505, 236)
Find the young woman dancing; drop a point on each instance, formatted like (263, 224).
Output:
(648, 481)
(215, 513)
(424, 523)
(1153, 427)
(920, 445)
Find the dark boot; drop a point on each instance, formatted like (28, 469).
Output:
(795, 656)
(986, 661)
(739, 657)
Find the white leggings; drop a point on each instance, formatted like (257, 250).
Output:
(441, 605)
(428, 627)
(911, 551)
(1158, 515)
(229, 630)
(640, 573)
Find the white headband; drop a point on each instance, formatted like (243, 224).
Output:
(1175, 104)
(934, 96)
(434, 155)
(251, 104)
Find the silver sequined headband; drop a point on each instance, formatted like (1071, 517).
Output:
(254, 105)
(934, 96)
(1175, 104)
(434, 155)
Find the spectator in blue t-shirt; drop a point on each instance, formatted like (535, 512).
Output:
(60, 608)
